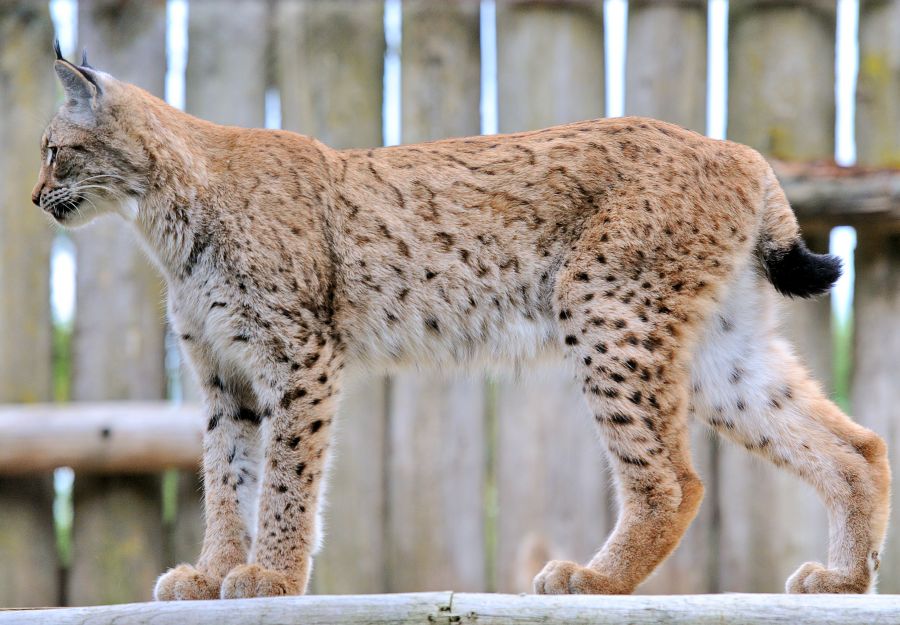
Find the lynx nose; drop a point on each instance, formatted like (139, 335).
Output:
(36, 194)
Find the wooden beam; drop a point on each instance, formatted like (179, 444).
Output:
(449, 607)
(102, 436)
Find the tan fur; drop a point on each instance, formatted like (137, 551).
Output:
(629, 245)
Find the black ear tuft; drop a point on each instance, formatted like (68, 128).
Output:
(84, 61)
(58, 50)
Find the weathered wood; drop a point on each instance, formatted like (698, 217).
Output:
(100, 437)
(353, 557)
(554, 499)
(437, 448)
(117, 539)
(549, 63)
(119, 337)
(666, 78)
(28, 557)
(878, 91)
(552, 486)
(118, 341)
(875, 395)
(436, 477)
(184, 534)
(876, 310)
(781, 77)
(226, 83)
(329, 69)
(781, 101)
(441, 70)
(665, 75)
(449, 607)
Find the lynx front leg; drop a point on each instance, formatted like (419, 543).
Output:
(296, 439)
(230, 465)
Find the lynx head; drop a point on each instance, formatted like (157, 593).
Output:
(92, 162)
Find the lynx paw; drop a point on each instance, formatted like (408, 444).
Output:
(813, 577)
(183, 583)
(252, 580)
(567, 578)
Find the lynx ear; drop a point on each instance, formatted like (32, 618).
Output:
(81, 88)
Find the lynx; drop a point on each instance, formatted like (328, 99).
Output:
(647, 256)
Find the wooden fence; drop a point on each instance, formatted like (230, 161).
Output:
(463, 483)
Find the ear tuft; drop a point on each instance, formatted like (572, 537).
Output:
(84, 61)
(57, 50)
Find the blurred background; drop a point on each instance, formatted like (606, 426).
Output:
(438, 482)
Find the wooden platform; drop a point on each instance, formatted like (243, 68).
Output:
(449, 607)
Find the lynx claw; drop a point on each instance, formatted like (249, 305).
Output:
(185, 583)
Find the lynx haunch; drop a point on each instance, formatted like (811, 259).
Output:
(648, 256)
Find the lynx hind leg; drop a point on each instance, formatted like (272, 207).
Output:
(749, 387)
(626, 345)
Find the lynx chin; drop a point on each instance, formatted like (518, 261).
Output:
(649, 257)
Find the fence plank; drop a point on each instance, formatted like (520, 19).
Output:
(877, 293)
(549, 63)
(665, 74)
(435, 496)
(552, 484)
(781, 101)
(118, 343)
(28, 557)
(877, 103)
(666, 78)
(226, 83)
(437, 448)
(330, 69)
(336, 96)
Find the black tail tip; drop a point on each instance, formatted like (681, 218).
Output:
(797, 272)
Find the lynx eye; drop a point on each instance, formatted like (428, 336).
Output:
(51, 155)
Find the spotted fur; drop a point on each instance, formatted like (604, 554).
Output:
(636, 249)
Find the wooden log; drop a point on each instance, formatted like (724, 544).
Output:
(436, 476)
(28, 573)
(665, 74)
(100, 437)
(549, 63)
(876, 310)
(329, 70)
(552, 485)
(781, 101)
(450, 607)
(666, 78)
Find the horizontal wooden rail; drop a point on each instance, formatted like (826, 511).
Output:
(103, 436)
(448, 607)
(836, 195)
